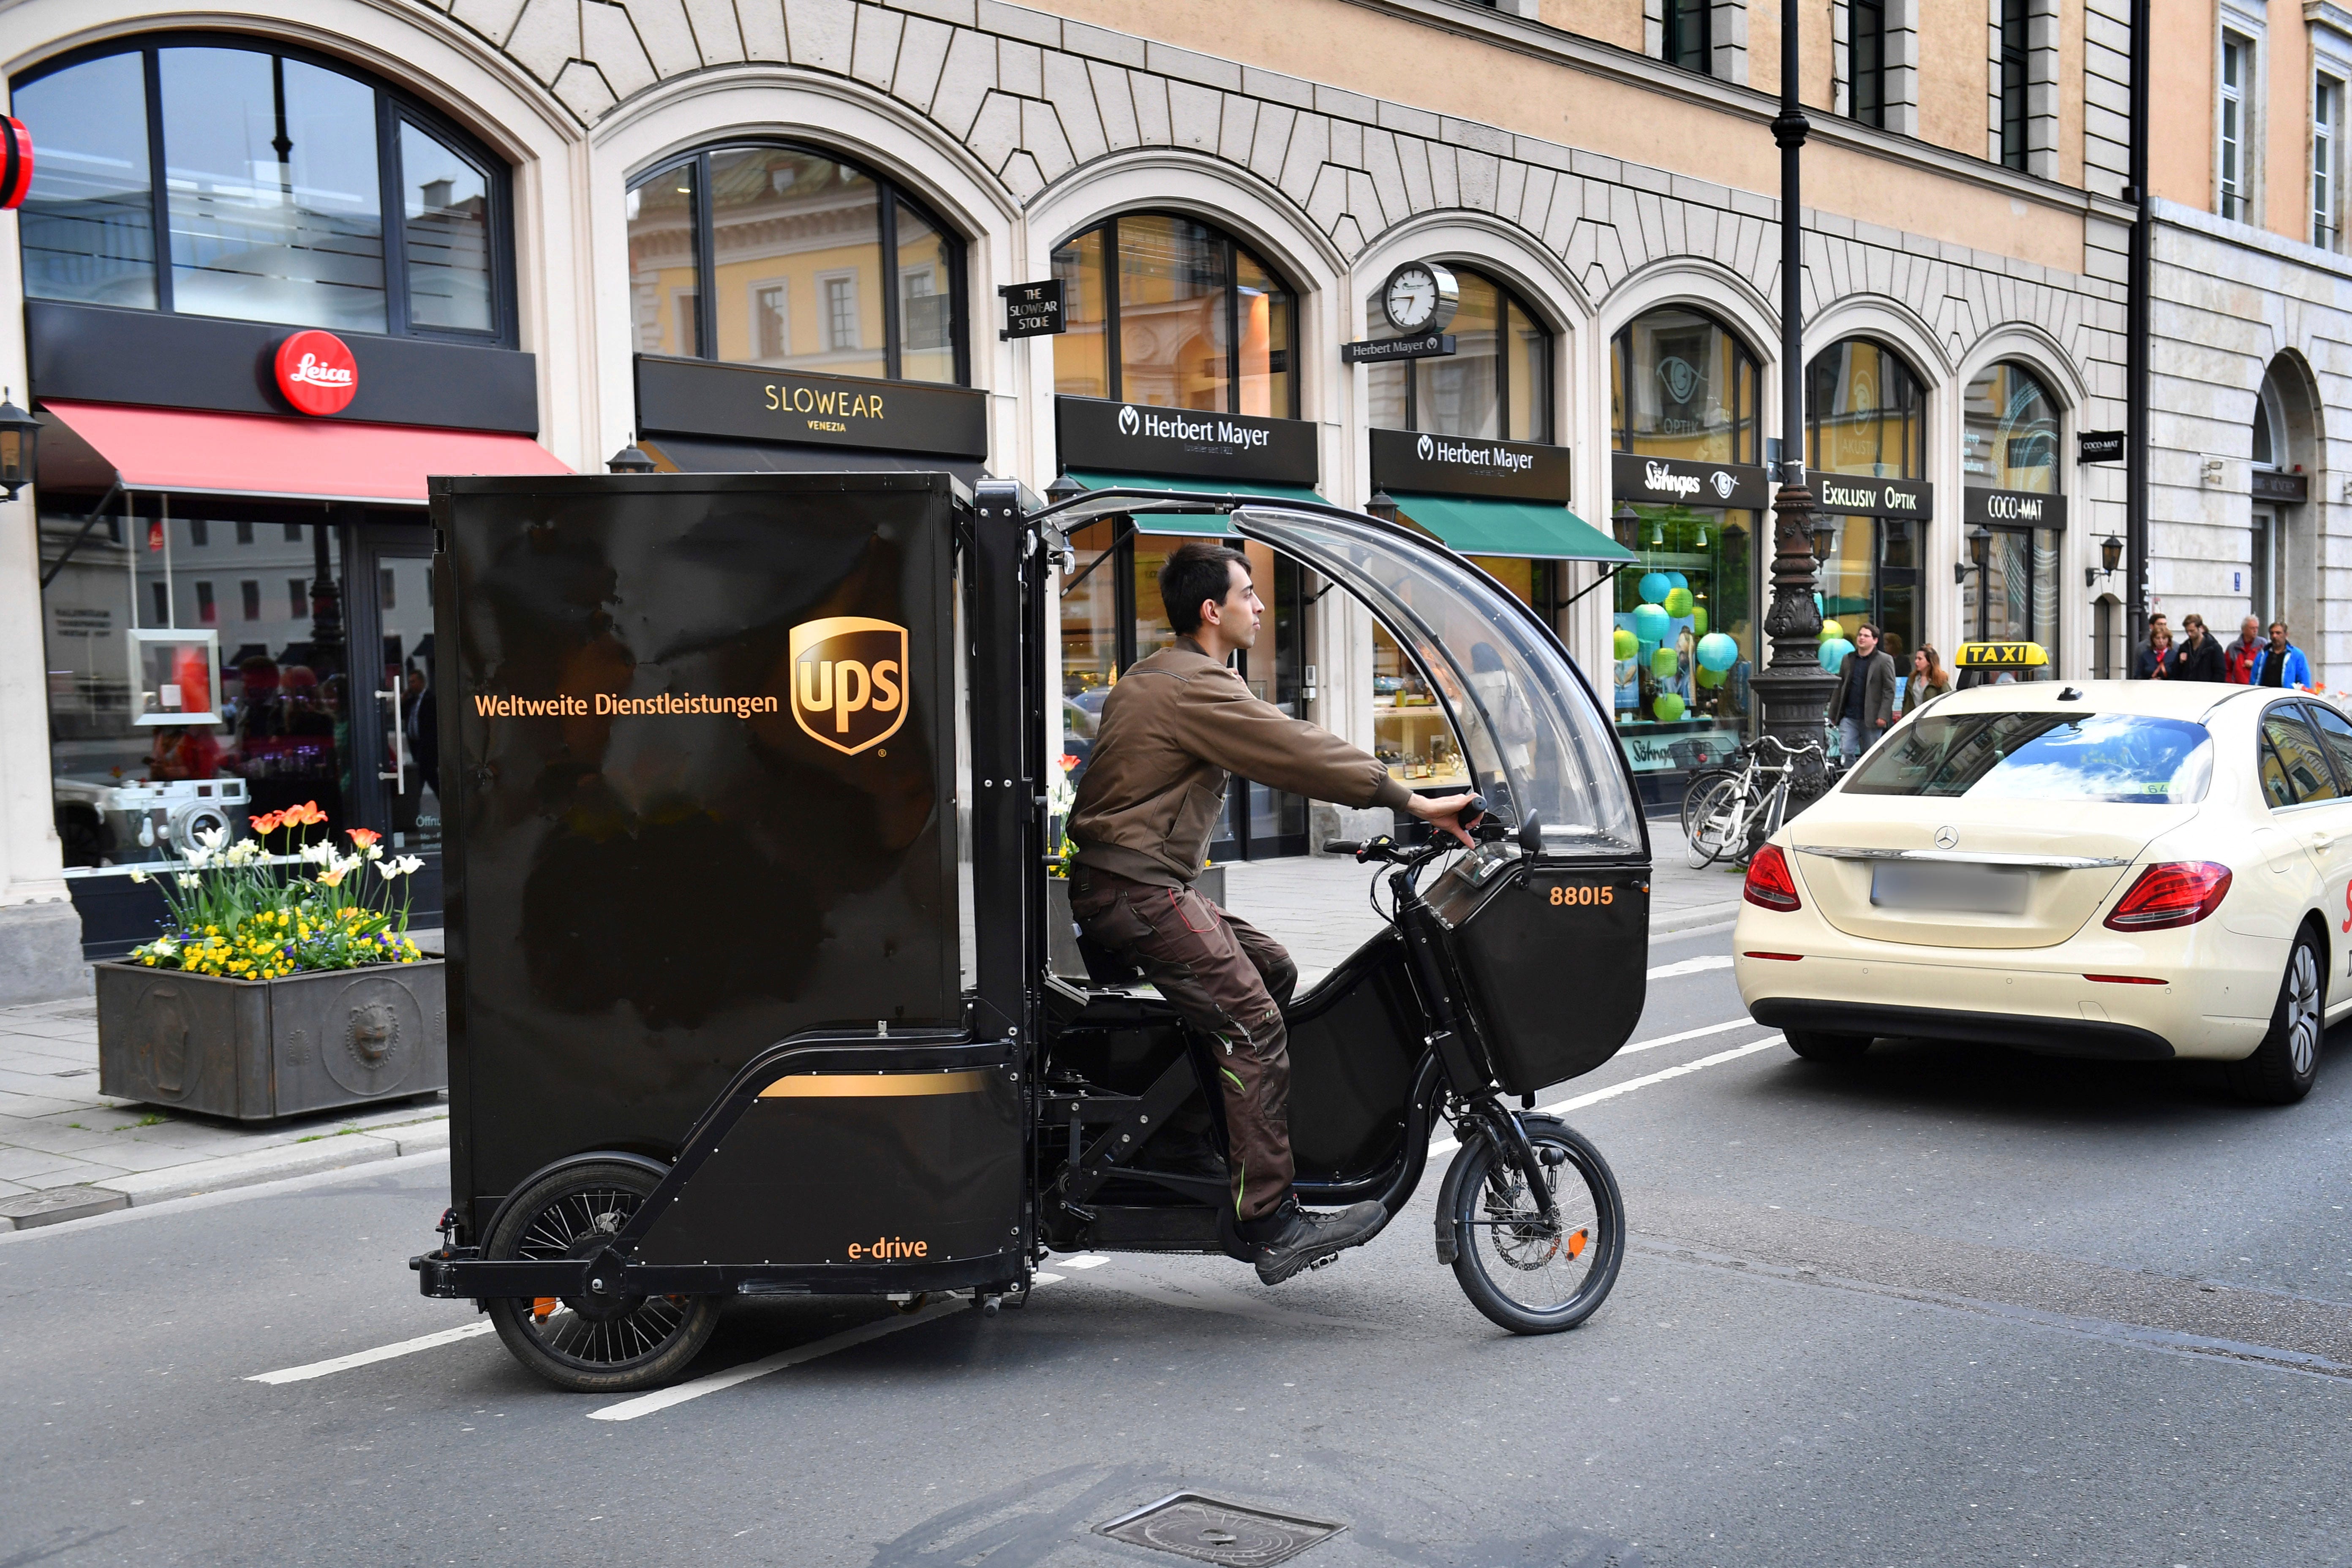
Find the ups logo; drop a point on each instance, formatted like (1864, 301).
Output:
(849, 678)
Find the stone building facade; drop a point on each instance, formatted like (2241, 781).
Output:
(1964, 294)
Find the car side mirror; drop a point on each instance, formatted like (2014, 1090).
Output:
(1531, 834)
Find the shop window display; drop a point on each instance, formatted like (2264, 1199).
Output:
(1682, 387)
(1866, 416)
(786, 256)
(279, 176)
(265, 697)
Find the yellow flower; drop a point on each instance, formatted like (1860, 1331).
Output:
(212, 931)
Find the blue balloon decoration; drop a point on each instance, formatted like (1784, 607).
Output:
(1676, 580)
(1651, 623)
(1717, 651)
(1833, 653)
(1653, 587)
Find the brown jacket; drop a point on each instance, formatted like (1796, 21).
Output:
(1171, 730)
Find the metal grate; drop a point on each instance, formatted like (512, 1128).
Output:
(1190, 1525)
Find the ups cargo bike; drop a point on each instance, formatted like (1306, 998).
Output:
(726, 1020)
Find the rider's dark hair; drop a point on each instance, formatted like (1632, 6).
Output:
(1197, 572)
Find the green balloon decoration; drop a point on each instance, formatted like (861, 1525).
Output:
(1708, 677)
(1626, 644)
(1698, 619)
(1664, 663)
(1678, 601)
(1831, 631)
(1667, 705)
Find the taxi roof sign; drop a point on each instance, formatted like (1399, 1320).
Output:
(1999, 654)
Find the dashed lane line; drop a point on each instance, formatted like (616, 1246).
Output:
(368, 1358)
(665, 1398)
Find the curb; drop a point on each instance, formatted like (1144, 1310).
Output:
(332, 1151)
(1700, 915)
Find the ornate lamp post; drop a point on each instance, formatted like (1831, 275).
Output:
(1793, 688)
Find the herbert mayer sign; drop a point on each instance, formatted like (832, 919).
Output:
(1454, 465)
(1139, 438)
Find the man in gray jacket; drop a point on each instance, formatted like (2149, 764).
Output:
(1172, 729)
(1863, 703)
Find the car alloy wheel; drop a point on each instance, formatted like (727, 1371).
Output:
(2302, 1010)
(2282, 1068)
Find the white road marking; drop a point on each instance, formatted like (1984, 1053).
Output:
(368, 1358)
(664, 1398)
(1691, 966)
(1688, 1035)
(1085, 1260)
(1594, 1097)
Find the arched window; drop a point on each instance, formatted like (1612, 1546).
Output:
(2012, 431)
(1496, 385)
(280, 173)
(1681, 385)
(1169, 311)
(775, 254)
(2010, 434)
(1866, 415)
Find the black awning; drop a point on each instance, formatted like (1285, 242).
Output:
(706, 454)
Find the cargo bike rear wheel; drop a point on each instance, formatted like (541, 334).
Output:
(592, 1344)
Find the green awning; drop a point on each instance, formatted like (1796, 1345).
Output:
(1205, 524)
(1485, 525)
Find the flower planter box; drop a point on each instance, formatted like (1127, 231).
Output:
(259, 1049)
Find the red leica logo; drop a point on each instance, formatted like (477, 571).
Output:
(317, 373)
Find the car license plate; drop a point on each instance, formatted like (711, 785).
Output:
(1938, 885)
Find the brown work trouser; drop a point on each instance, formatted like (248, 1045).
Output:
(1229, 980)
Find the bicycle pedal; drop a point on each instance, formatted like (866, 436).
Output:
(1324, 1262)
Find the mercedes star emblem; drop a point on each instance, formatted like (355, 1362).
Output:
(1948, 837)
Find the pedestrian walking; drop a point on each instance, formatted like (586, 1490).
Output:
(2238, 659)
(2281, 663)
(1928, 680)
(2198, 656)
(2155, 659)
(1864, 704)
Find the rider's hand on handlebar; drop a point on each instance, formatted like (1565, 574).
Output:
(1444, 813)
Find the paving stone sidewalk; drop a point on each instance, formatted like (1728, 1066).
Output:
(67, 1151)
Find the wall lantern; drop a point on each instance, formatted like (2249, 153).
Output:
(1980, 551)
(2111, 555)
(20, 440)
(631, 459)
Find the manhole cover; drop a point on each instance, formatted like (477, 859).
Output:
(1207, 1530)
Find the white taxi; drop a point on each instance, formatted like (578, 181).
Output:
(2139, 871)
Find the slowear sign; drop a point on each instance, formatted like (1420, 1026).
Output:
(1139, 438)
(317, 373)
(699, 397)
(1032, 310)
(1672, 480)
(1452, 465)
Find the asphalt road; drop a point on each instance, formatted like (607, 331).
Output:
(1948, 1306)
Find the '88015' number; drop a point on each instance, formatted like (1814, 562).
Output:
(1585, 894)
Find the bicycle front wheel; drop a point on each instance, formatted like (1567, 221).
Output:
(1530, 1277)
(1714, 823)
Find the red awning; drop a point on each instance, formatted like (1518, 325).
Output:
(184, 451)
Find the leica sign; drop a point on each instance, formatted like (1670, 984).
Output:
(317, 373)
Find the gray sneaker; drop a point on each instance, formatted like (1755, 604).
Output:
(1307, 1238)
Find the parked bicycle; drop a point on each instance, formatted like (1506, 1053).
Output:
(1730, 811)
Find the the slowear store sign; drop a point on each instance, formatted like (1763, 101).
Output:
(2013, 509)
(1032, 310)
(1455, 464)
(1850, 495)
(1670, 482)
(1139, 438)
(696, 397)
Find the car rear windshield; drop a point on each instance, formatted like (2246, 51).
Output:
(2128, 758)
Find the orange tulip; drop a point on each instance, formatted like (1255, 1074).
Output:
(306, 815)
(363, 837)
(267, 822)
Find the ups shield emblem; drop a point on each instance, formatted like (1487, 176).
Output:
(849, 680)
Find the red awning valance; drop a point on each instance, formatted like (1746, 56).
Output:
(186, 451)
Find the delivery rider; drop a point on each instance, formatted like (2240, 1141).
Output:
(1171, 730)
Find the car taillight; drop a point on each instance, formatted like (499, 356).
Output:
(2180, 893)
(1769, 882)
